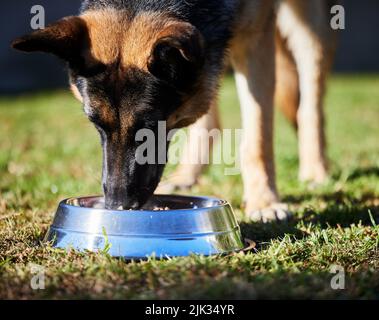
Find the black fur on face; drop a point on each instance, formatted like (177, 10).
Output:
(120, 106)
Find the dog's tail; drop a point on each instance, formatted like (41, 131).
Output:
(287, 95)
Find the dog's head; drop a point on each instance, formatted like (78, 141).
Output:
(130, 73)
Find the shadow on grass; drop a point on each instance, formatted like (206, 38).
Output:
(363, 172)
(342, 211)
(279, 285)
(265, 232)
(338, 197)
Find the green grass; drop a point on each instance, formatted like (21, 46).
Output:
(49, 151)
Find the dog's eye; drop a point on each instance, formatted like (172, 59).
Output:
(99, 123)
(93, 117)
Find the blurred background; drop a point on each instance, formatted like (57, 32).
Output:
(357, 52)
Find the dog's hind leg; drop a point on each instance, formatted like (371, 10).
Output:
(253, 57)
(196, 153)
(287, 92)
(305, 26)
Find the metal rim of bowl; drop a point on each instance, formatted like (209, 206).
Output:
(221, 203)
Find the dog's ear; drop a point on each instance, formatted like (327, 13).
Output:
(66, 38)
(177, 55)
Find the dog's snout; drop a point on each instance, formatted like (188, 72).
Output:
(128, 183)
(118, 198)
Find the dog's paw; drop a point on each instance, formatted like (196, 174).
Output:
(275, 212)
(315, 174)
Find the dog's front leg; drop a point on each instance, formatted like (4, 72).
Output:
(254, 64)
(196, 155)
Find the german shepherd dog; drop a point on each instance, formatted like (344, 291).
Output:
(134, 63)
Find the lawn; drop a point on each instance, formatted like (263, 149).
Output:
(49, 151)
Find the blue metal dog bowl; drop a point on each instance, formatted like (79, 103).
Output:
(167, 226)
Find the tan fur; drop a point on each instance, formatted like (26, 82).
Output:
(105, 34)
(196, 105)
(287, 92)
(76, 92)
(311, 42)
(254, 63)
(199, 146)
(115, 38)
